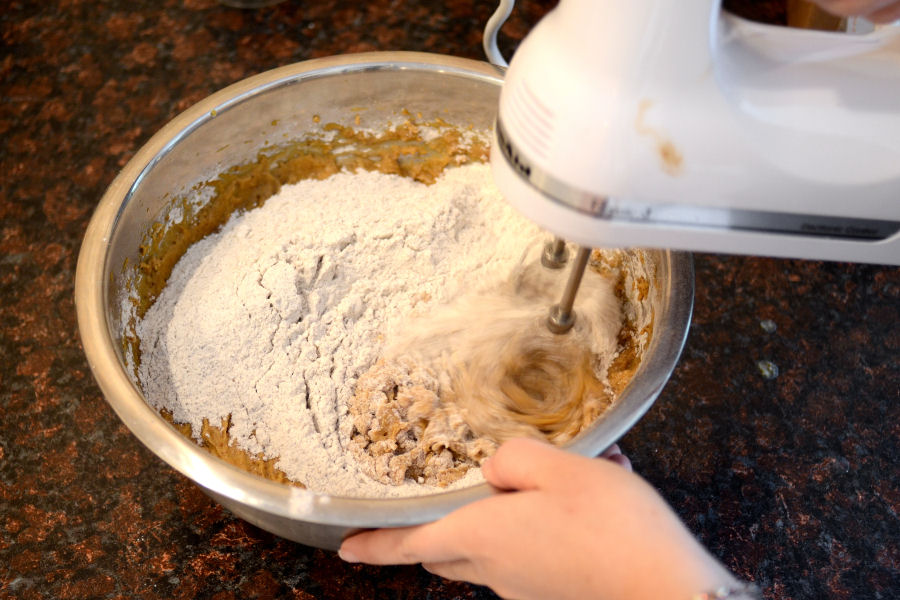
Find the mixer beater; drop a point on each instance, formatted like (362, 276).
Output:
(562, 315)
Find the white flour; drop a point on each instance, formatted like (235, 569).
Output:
(273, 319)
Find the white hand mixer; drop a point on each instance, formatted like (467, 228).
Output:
(675, 124)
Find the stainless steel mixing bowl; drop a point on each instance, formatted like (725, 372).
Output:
(229, 128)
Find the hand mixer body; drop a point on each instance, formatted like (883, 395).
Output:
(672, 124)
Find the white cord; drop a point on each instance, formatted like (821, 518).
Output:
(492, 28)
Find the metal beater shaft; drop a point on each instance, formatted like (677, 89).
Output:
(562, 317)
(555, 254)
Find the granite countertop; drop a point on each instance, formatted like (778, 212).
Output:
(776, 439)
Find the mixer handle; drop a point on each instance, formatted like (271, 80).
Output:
(489, 40)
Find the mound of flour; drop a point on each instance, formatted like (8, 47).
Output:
(273, 319)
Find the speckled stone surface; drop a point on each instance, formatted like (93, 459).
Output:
(776, 439)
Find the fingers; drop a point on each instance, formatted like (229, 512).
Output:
(431, 543)
(888, 14)
(844, 8)
(611, 451)
(457, 570)
(614, 454)
(622, 461)
(523, 464)
(879, 11)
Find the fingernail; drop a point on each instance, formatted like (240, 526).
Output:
(347, 556)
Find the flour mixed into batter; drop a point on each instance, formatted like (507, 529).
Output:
(270, 323)
(483, 369)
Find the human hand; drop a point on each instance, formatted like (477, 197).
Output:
(568, 527)
(877, 11)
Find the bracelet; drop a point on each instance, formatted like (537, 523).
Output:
(740, 591)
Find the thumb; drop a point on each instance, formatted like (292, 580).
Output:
(524, 464)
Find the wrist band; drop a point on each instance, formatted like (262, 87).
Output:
(740, 591)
